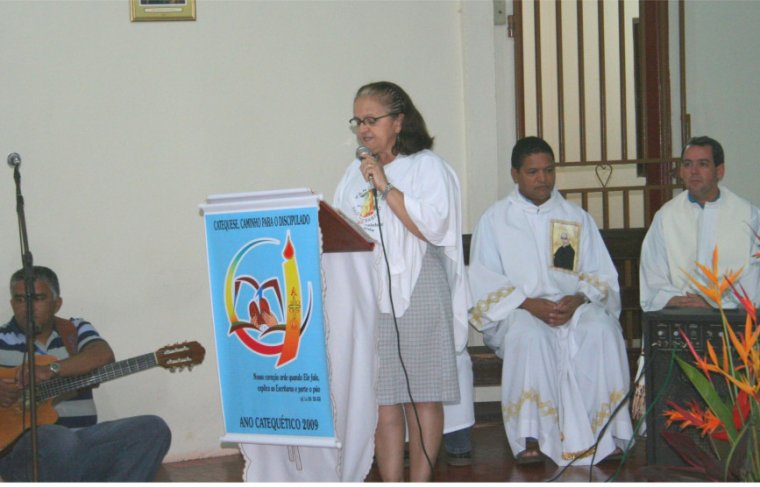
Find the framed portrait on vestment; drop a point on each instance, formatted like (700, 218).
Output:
(565, 245)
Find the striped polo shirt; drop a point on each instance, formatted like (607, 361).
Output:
(77, 411)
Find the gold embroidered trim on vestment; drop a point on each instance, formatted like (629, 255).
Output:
(546, 408)
(477, 311)
(595, 282)
(605, 410)
(580, 454)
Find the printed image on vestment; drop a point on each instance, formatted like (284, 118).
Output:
(565, 245)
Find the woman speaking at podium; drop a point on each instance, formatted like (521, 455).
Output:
(407, 199)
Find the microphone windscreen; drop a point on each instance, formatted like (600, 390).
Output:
(362, 151)
(15, 160)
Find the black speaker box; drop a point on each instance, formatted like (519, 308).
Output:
(661, 339)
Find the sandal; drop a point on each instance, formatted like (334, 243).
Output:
(531, 455)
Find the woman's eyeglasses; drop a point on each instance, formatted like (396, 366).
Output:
(355, 122)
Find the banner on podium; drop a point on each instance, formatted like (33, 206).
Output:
(267, 303)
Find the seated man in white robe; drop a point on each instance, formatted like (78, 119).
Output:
(689, 227)
(565, 365)
(686, 230)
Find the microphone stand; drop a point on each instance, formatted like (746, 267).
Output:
(27, 261)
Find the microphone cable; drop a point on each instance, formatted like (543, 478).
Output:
(648, 410)
(593, 447)
(624, 402)
(398, 335)
(635, 430)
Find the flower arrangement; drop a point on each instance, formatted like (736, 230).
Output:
(731, 423)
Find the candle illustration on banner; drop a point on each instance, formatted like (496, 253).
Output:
(293, 303)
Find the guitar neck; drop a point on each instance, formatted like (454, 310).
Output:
(122, 368)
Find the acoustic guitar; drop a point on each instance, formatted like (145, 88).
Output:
(15, 420)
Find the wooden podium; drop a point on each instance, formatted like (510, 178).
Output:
(339, 234)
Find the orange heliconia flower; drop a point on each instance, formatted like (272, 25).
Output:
(750, 362)
(745, 301)
(740, 414)
(717, 285)
(702, 363)
(738, 365)
(702, 419)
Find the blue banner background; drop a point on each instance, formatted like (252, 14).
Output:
(259, 398)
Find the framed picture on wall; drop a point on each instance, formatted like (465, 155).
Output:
(141, 10)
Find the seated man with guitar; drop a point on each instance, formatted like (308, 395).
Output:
(72, 445)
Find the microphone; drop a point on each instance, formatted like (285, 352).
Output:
(361, 153)
(14, 160)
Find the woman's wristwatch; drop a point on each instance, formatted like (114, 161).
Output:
(388, 188)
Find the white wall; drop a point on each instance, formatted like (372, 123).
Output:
(124, 128)
(722, 73)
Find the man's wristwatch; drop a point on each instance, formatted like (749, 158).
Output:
(55, 368)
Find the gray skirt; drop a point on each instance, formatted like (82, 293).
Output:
(426, 338)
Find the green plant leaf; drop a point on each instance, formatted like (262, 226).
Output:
(736, 459)
(711, 397)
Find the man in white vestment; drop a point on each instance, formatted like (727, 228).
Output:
(565, 368)
(687, 230)
(689, 227)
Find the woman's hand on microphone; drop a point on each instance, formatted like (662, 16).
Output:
(373, 172)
